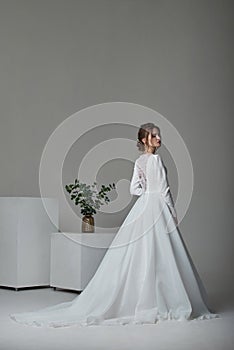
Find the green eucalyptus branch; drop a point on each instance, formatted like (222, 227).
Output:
(88, 197)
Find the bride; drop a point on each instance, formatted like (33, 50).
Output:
(147, 274)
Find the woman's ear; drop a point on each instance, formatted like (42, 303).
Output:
(143, 140)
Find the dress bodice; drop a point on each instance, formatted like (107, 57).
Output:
(150, 175)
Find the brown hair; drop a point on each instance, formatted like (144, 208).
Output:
(143, 132)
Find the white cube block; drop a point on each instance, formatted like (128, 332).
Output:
(75, 258)
(25, 229)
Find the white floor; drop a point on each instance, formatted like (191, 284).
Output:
(214, 334)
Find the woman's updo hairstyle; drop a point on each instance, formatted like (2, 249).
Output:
(144, 131)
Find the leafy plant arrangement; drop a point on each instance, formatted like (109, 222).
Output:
(88, 197)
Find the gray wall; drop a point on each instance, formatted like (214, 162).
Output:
(58, 57)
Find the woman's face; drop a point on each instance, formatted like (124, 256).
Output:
(154, 139)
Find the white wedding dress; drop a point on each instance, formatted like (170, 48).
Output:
(146, 275)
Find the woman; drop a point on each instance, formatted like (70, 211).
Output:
(147, 274)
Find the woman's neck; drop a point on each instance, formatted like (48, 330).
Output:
(149, 152)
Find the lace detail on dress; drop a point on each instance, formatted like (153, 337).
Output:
(139, 181)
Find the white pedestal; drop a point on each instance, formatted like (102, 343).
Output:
(25, 229)
(75, 258)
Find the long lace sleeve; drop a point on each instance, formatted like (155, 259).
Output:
(137, 185)
(164, 186)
